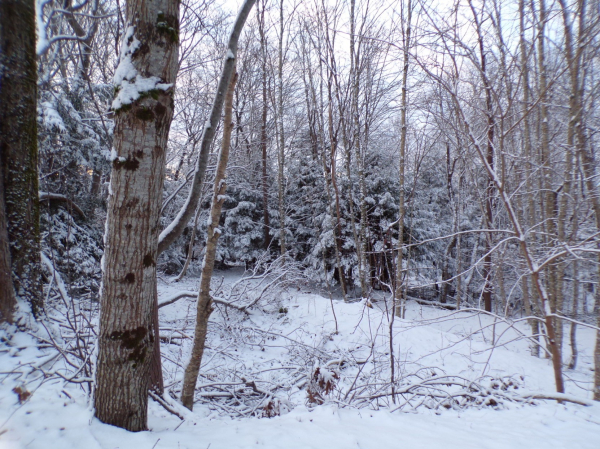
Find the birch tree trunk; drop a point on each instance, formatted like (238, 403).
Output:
(204, 305)
(142, 120)
(403, 127)
(18, 149)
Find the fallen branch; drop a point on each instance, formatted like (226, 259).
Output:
(189, 294)
(58, 198)
(165, 405)
(560, 397)
(424, 302)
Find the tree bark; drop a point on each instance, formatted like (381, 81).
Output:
(333, 142)
(18, 147)
(398, 298)
(281, 139)
(529, 298)
(8, 300)
(127, 329)
(204, 305)
(489, 193)
(574, 55)
(263, 130)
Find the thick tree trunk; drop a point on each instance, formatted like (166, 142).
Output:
(8, 300)
(204, 306)
(18, 146)
(127, 328)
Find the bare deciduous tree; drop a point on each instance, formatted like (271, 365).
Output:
(143, 108)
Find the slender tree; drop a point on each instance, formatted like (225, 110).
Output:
(260, 13)
(406, 31)
(204, 303)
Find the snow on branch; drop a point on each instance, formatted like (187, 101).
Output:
(44, 42)
(191, 294)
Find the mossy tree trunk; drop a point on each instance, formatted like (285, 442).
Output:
(8, 299)
(18, 150)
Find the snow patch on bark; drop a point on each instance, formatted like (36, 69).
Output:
(128, 83)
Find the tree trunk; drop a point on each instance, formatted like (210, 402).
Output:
(574, 309)
(127, 329)
(333, 142)
(204, 306)
(398, 299)
(529, 298)
(190, 253)
(8, 300)
(18, 147)
(263, 130)
(281, 139)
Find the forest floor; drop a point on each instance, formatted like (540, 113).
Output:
(463, 379)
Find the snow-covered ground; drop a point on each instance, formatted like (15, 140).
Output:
(271, 354)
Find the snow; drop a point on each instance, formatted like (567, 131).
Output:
(70, 426)
(275, 349)
(51, 118)
(230, 54)
(42, 43)
(129, 84)
(113, 155)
